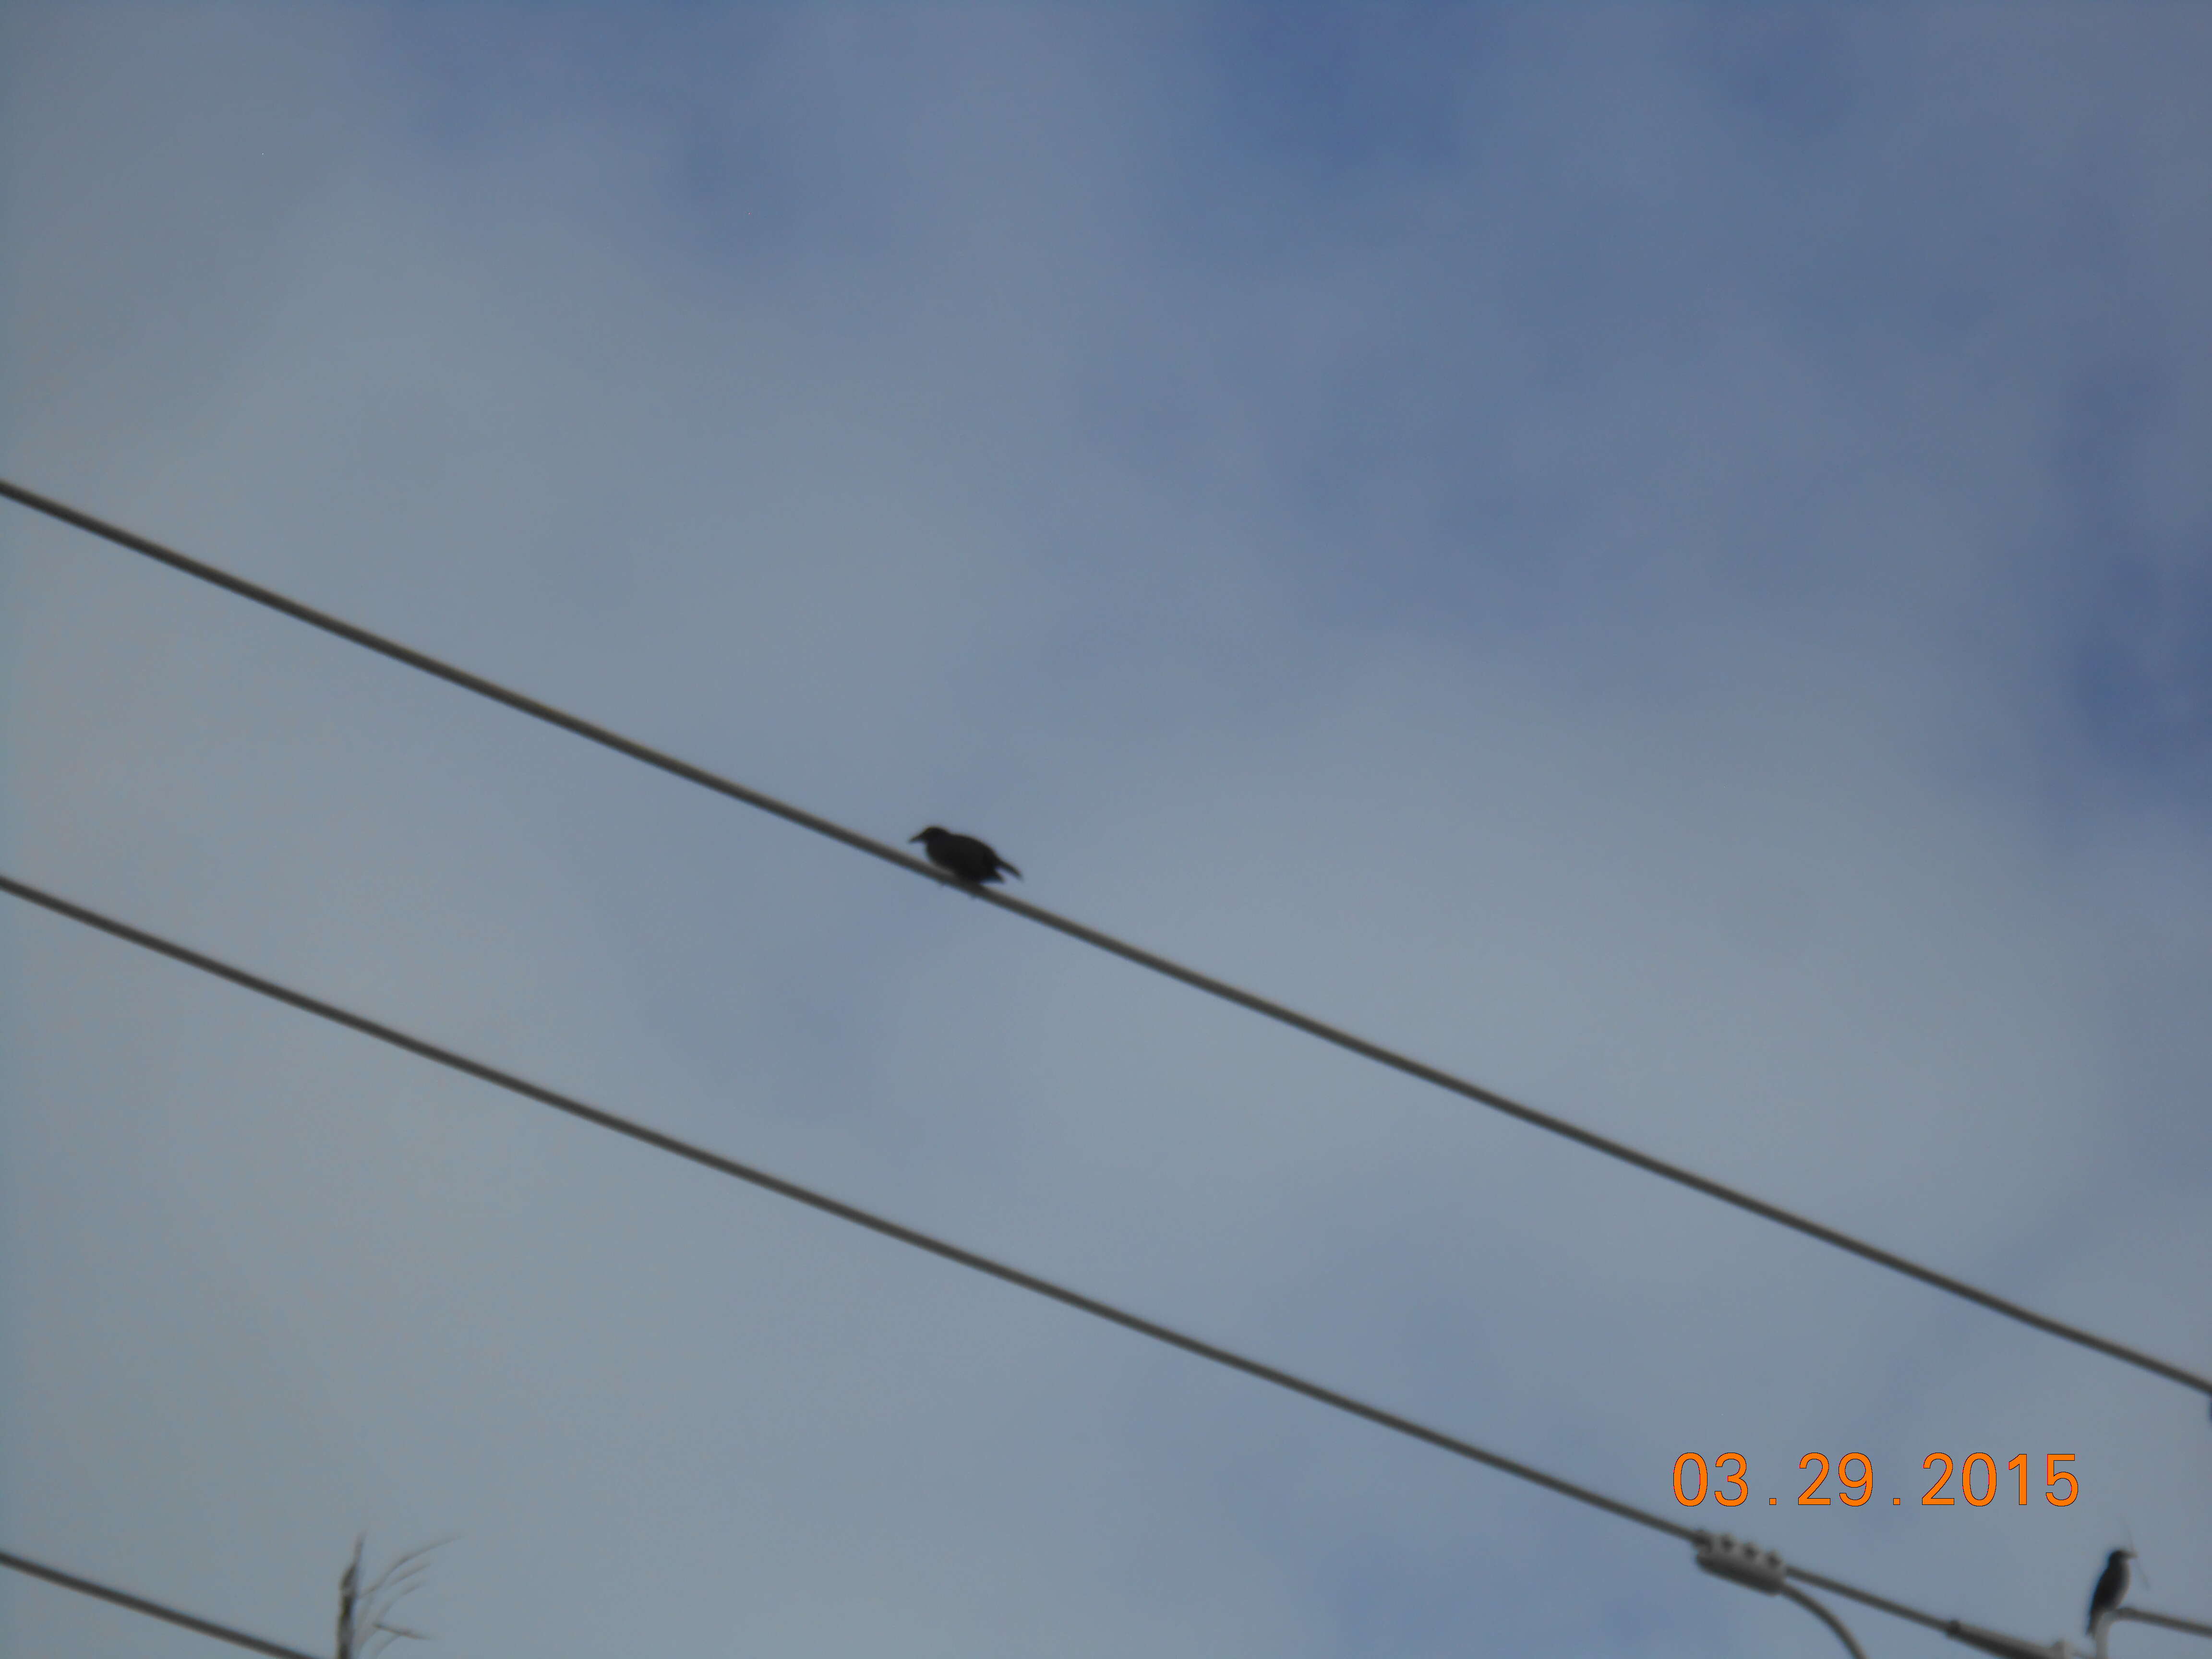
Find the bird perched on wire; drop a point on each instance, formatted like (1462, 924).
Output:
(971, 860)
(2111, 1585)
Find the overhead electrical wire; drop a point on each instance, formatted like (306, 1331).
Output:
(660, 1141)
(1373, 1051)
(1991, 1641)
(729, 1166)
(69, 1581)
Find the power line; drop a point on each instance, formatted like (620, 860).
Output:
(844, 1211)
(1992, 1641)
(152, 1609)
(2166, 1620)
(1158, 964)
(955, 1254)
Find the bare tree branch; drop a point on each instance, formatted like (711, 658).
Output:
(365, 1626)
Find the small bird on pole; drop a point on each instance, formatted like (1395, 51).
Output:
(2111, 1585)
(971, 860)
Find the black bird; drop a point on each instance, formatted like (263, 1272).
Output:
(2111, 1585)
(971, 860)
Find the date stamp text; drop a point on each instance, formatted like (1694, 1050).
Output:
(1976, 1479)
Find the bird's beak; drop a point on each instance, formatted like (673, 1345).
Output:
(910, 840)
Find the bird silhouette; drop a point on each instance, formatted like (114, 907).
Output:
(971, 860)
(2111, 1585)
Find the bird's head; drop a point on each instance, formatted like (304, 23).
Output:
(926, 836)
(2121, 1555)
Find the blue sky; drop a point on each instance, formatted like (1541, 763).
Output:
(1659, 558)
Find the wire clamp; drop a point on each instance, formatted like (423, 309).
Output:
(1742, 1563)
